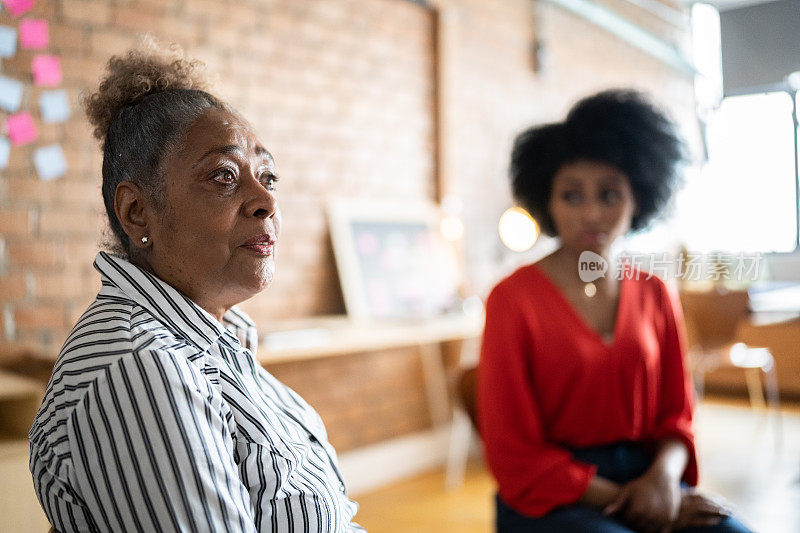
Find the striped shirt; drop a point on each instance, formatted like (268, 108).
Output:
(158, 418)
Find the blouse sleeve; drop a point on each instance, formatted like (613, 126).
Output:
(677, 392)
(152, 450)
(534, 476)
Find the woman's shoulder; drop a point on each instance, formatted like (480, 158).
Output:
(100, 349)
(105, 323)
(530, 274)
(524, 278)
(527, 290)
(112, 331)
(113, 325)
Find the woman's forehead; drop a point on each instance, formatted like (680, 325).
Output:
(589, 172)
(218, 129)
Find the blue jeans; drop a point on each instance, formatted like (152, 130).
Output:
(618, 462)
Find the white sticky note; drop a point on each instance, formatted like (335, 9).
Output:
(50, 163)
(5, 150)
(8, 41)
(10, 94)
(54, 106)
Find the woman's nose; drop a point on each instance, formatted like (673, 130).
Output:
(261, 202)
(591, 211)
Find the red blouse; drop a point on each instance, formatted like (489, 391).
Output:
(548, 381)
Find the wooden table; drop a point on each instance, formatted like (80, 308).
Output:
(313, 338)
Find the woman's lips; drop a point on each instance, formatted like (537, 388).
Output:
(260, 244)
(593, 237)
(260, 249)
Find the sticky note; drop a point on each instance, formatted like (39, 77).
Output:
(21, 129)
(8, 41)
(46, 70)
(18, 7)
(10, 93)
(49, 162)
(5, 150)
(54, 106)
(33, 34)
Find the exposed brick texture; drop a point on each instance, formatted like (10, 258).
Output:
(342, 92)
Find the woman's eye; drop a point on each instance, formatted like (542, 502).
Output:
(225, 176)
(611, 196)
(571, 197)
(270, 182)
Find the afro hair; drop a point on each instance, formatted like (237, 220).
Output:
(617, 127)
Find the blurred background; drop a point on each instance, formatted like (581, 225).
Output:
(414, 105)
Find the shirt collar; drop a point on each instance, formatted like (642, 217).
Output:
(173, 309)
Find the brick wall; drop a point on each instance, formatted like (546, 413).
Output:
(500, 94)
(342, 92)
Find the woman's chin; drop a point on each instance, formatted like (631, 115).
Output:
(264, 276)
(258, 280)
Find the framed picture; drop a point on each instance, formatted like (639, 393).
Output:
(392, 259)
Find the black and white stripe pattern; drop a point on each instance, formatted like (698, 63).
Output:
(158, 418)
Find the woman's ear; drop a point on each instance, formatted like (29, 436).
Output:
(130, 207)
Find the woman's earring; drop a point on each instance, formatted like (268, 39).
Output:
(144, 240)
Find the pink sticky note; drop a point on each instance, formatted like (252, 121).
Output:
(33, 34)
(46, 70)
(17, 7)
(21, 129)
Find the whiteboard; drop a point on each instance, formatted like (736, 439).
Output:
(392, 260)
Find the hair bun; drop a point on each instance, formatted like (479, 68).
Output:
(143, 71)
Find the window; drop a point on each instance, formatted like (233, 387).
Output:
(745, 198)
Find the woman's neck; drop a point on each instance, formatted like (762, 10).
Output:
(207, 304)
(576, 268)
(575, 256)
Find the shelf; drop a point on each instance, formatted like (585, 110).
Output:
(311, 338)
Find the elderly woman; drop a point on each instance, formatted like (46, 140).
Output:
(584, 404)
(157, 416)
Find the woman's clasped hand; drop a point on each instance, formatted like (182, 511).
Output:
(656, 503)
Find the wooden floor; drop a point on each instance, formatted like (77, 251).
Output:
(422, 505)
(739, 457)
